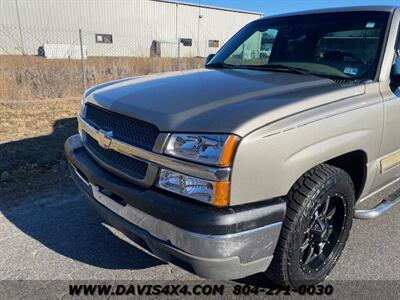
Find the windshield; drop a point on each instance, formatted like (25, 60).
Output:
(339, 45)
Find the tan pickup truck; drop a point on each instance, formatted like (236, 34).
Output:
(256, 162)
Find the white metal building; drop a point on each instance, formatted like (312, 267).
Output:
(117, 27)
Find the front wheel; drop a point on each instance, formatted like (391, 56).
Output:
(318, 221)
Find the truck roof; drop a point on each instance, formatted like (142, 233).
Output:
(387, 8)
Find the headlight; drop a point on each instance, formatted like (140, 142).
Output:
(215, 193)
(213, 149)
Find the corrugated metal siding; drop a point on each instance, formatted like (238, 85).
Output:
(134, 25)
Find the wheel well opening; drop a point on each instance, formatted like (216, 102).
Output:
(355, 164)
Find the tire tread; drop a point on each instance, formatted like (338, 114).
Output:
(305, 185)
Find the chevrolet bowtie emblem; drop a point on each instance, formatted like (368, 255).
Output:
(105, 138)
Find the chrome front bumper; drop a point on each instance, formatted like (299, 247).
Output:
(219, 256)
(247, 245)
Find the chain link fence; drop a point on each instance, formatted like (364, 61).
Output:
(56, 48)
(45, 63)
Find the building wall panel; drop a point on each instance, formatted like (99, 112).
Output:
(134, 25)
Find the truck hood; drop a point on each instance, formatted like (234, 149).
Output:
(220, 101)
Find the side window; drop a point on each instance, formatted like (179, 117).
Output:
(395, 72)
(256, 50)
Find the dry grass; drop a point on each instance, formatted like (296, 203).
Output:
(32, 135)
(39, 99)
(26, 119)
(30, 77)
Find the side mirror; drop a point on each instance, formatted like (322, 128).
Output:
(395, 75)
(209, 57)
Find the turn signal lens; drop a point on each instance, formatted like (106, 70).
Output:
(222, 193)
(229, 151)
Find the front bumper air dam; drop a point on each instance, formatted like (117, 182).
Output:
(217, 243)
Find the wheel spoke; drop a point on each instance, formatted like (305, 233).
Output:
(330, 230)
(321, 225)
(305, 244)
(311, 255)
(315, 218)
(326, 207)
(331, 213)
(320, 248)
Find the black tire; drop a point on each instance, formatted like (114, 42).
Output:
(319, 213)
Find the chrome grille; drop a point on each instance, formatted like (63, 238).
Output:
(132, 131)
(122, 163)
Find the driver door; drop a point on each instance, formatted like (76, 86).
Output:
(389, 161)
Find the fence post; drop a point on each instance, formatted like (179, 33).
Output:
(20, 29)
(179, 54)
(83, 69)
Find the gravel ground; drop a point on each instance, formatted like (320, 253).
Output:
(58, 236)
